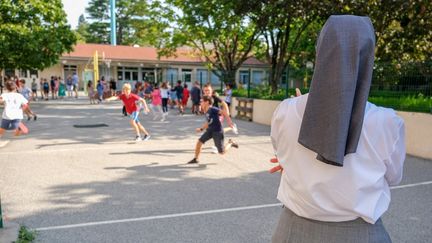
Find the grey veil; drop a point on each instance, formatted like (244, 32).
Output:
(335, 108)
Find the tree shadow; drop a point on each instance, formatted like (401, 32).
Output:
(156, 189)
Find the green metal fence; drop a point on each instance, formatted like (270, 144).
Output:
(405, 87)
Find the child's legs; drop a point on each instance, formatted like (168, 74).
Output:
(198, 147)
(134, 126)
(218, 139)
(207, 135)
(133, 121)
(165, 105)
(141, 128)
(28, 111)
(158, 108)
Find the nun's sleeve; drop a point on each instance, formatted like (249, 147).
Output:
(394, 162)
(275, 126)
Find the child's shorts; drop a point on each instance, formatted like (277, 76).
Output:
(10, 124)
(134, 116)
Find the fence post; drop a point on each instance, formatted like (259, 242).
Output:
(201, 80)
(1, 216)
(286, 81)
(249, 81)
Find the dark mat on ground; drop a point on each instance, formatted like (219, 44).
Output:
(90, 125)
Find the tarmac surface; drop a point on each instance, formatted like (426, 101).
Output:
(98, 185)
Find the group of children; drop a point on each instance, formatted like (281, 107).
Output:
(16, 101)
(215, 110)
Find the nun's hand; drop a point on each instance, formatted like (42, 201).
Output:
(276, 168)
(297, 93)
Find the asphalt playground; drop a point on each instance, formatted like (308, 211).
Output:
(98, 185)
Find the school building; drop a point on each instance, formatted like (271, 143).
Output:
(133, 63)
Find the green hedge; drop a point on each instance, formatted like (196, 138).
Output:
(402, 101)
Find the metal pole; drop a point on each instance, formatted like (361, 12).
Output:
(172, 80)
(113, 23)
(249, 83)
(222, 81)
(286, 82)
(1, 217)
(201, 79)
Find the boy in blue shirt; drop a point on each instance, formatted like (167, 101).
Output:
(213, 129)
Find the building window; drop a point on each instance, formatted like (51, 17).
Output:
(135, 76)
(258, 77)
(69, 70)
(244, 77)
(215, 80)
(34, 73)
(23, 73)
(127, 76)
(187, 75)
(10, 72)
(172, 76)
(148, 75)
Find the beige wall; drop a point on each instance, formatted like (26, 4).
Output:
(418, 126)
(263, 110)
(418, 129)
(56, 70)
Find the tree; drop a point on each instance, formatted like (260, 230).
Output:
(131, 17)
(402, 28)
(33, 34)
(284, 25)
(82, 29)
(403, 37)
(217, 32)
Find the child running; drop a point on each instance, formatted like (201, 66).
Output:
(165, 96)
(129, 101)
(213, 129)
(13, 110)
(156, 103)
(26, 92)
(91, 93)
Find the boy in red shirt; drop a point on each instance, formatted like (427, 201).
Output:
(129, 101)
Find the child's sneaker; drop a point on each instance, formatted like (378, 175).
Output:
(235, 129)
(214, 150)
(146, 137)
(233, 144)
(193, 161)
(138, 138)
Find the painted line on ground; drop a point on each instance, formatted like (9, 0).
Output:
(412, 185)
(177, 215)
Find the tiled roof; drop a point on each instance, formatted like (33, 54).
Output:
(139, 54)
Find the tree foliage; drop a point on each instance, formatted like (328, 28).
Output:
(223, 36)
(82, 29)
(33, 34)
(131, 18)
(288, 30)
(403, 28)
